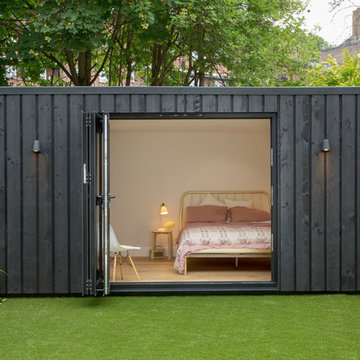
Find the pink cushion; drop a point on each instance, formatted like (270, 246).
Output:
(209, 213)
(243, 214)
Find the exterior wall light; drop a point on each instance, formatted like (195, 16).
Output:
(36, 147)
(326, 145)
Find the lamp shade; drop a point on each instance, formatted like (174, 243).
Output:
(163, 210)
(326, 145)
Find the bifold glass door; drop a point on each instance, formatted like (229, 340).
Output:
(96, 204)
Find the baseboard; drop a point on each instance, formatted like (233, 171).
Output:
(145, 251)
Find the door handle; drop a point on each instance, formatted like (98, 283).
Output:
(112, 196)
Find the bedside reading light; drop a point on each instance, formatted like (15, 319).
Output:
(326, 145)
(163, 211)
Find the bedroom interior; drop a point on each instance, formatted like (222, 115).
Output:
(155, 162)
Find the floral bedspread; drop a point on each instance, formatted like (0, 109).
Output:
(199, 236)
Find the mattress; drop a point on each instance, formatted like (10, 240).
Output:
(211, 236)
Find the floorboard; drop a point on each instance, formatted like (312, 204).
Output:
(161, 270)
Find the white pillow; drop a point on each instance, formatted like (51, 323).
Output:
(232, 203)
(210, 200)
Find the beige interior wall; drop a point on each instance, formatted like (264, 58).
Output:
(158, 165)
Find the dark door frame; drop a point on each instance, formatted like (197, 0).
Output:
(218, 287)
(95, 204)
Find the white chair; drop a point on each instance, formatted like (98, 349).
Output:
(116, 251)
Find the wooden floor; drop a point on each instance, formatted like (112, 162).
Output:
(162, 270)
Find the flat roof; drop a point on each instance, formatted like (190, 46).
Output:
(177, 90)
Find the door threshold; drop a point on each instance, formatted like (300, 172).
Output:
(193, 288)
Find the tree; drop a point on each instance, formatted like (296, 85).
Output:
(273, 43)
(335, 4)
(256, 41)
(329, 73)
(76, 36)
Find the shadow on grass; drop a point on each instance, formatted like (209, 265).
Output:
(89, 302)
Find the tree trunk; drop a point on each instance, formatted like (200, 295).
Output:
(52, 77)
(163, 65)
(159, 64)
(128, 72)
(84, 68)
(110, 67)
(155, 65)
(88, 58)
(201, 78)
(71, 63)
(81, 69)
(128, 59)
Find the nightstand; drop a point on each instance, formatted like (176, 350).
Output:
(170, 242)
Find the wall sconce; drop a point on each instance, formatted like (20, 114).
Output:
(36, 146)
(326, 145)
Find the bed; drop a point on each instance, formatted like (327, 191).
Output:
(207, 234)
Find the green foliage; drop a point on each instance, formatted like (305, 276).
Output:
(57, 34)
(4, 272)
(329, 73)
(256, 41)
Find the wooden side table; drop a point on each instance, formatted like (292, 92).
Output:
(170, 242)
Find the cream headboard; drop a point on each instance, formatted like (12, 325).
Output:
(261, 199)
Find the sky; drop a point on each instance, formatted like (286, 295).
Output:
(335, 25)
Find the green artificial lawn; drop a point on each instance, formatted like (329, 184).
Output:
(182, 327)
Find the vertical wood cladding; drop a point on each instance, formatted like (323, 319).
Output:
(302, 192)
(3, 209)
(286, 192)
(333, 193)
(348, 191)
(41, 218)
(14, 194)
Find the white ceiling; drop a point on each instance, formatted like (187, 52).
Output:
(190, 125)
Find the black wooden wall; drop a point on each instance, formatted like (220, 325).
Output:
(41, 195)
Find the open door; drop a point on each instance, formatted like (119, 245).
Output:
(96, 204)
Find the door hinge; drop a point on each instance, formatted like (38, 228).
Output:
(272, 242)
(271, 157)
(88, 284)
(88, 119)
(272, 195)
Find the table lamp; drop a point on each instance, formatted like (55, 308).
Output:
(163, 211)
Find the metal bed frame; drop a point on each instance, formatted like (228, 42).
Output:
(262, 200)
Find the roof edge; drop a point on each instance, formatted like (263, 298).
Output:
(177, 90)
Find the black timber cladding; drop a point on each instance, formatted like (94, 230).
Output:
(41, 196)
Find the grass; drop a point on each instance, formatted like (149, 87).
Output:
(192, 327)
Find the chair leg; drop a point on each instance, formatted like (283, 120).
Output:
(133, 265)
(121, 268)
(114, 268)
